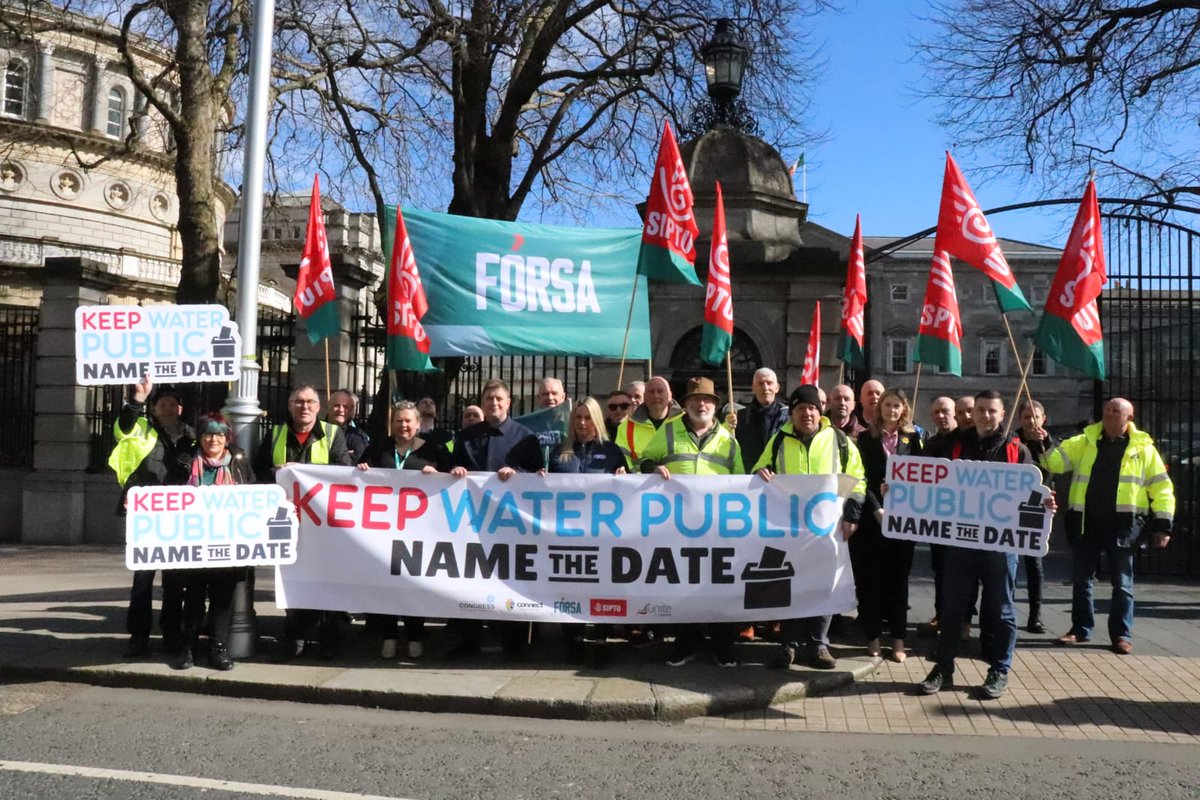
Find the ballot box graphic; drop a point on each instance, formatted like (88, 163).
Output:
(279, 528)
(768, 584)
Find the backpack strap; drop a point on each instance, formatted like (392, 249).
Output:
(956, 450)
(1012, 451)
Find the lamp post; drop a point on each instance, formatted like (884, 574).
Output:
(725, 56)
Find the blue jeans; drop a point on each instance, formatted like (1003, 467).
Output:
(808, 631)
(997, 572)
(1086, 559)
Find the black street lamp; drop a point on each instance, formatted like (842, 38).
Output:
(725, 56)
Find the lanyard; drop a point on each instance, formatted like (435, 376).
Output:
(400, 461)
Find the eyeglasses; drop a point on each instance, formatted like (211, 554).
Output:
(404, 405)
(206, 434)
(618, 406)
(306, 402)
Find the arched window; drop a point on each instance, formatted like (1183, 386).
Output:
(16, 87)
(116, 112)
(744, 357)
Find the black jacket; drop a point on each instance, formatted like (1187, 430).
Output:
(595, 457)
(239, 465)
(264, 460)
(756, 424)
(874, 459)
(483, 448)
(381, 454)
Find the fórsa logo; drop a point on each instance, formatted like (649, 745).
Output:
(564, 606)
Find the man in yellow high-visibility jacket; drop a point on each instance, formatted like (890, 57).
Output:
(695, 444)
(1120, 491)
(635, 433)
(808, 444)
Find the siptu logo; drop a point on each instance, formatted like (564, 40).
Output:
(564, 606)
(602, 607)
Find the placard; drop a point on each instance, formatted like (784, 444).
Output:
(116, 345)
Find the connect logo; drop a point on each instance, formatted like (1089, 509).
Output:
(512, 605)
(509, 604)
(602, 607)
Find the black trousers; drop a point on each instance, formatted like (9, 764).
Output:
(881, 567)
(139, 618)
(1035, 576)
(185, 592)
(388, 626)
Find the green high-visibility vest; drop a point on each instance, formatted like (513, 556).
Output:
(317, 454)
(132, 448)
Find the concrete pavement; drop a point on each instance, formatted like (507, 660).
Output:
(62, 618)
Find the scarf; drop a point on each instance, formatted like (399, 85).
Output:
(211, 471)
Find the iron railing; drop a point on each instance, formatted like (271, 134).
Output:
(18, 354)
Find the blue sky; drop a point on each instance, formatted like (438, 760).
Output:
(884, 155)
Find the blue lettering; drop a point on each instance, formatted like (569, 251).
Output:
(734, 508)
(705, 523)
(662, 514)
(536, 499)
(810, 514)
(943, 503)
(466, 504)
(562, 514)
(765, 531)
(602, 517)
(999, 498)
(507, 515)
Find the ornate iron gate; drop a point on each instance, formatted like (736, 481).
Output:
(18, 353)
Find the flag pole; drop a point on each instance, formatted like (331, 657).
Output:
(328, 391)
(729, 378)
(628, 325)
(916, 386)
(842, 373)
(1012, 340)
(1024, 386)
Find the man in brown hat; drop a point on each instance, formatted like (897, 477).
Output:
(694, 444)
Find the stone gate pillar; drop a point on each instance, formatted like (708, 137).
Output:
(53, 495)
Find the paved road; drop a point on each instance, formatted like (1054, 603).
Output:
(279, 749)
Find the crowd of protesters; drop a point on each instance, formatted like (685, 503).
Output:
(1120, 498)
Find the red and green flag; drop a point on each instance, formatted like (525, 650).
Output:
(1069, 331)
(811, 374)
(717, 334)
(668, 251)
(407, 342)
(964, 233)
(316, 298)
(854, 302)
(939, 338)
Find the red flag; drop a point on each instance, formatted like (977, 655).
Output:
(315, 298)
(854, 301)
(812, 355)
(669, 235)
(939, 338)
(1069, 331)
(406, 295)
(964, 233)
(717, 334)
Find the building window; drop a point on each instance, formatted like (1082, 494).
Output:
(1041, 364)
(116, 112)
(1037, 294)
(900, 293)
(993, 358)
(16, 75)
(899, 356)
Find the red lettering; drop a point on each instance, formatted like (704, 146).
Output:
(88, 320)
(304, 504)
(336, 504)
(405, 512)
(371, 507)
(139, 502)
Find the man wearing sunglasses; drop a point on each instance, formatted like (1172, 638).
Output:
(617, 410)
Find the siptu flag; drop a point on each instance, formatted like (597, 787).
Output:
(811, 373)
(854, 300)
(668, 251)
(316, 299)
(1069, 331)
(407, 343)
(717, 334)
(939, 338)
(963, 232)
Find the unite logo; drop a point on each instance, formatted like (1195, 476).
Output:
(602, 607)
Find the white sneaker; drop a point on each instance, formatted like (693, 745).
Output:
(389, 649)
(415, 650)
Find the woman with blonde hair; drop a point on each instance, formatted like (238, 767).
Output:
(586, 448)
(881, 565)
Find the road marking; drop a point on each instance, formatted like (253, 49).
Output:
(186, 780)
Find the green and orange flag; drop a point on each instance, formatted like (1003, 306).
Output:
(964, 233)
(668, 251)
(315, 298)
(717, 334)
(1069, 331)
(939, 337)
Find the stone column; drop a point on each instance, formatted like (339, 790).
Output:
(308, 364)
(53, 495)
(99, 96)
(45, 97)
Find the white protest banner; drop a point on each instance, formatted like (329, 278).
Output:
(192, 527)
(982, 505)
(171, 344)
(565, 548)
